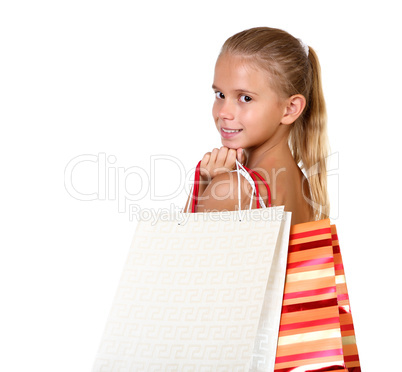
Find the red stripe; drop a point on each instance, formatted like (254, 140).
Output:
(311, 355)
(311, 323)
(310, 245)
(334, 236)
(342, 297)
(311, 292)
(264, 182)
(306, 234)
(338, 267)
(196, 187)
(347, 327)
(316, 261)
(257, 193)
(336, 367)
(309, 305)
(351, 358)
(336, 249)
(345, 309)
(354, 369)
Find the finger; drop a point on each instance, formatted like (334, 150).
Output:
(241, 156)
(231, 159)
(222, 155)
(204, 164)
(214, 154)
(205, 159)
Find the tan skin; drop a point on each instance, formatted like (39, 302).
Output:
(254, 123)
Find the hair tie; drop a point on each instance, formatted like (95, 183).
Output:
(305, 46)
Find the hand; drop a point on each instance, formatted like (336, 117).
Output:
(220, 161)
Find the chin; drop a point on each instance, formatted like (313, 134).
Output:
(230, 144)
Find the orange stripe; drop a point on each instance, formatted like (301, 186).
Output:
(310, 254)
(322, 327)
(343, 303)
(345, 318)
(318, 345)
(310, 239)
(336, 360)
(348, 333)
(352, 364)
(350, 349)
(308, 315)
(306, 285)
(341, 288)
(308, 226)
(301, 300)
(337, 255)
(310, 268)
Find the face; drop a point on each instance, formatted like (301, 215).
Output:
(247, 112)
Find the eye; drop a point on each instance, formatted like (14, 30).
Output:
(245, 98)
(219, 95)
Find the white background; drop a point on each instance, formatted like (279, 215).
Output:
(130, 80)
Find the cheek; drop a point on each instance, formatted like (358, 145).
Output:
(214, 109)
(252, 117)
(268, 115)
(260, 122)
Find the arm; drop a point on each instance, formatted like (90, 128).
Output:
(222, 193)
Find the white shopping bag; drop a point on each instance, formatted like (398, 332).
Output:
(199, 292)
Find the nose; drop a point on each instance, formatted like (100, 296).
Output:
(225, 110)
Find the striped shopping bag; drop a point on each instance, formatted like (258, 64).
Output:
(316, 328)
(349, 346)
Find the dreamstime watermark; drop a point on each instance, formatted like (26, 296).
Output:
(127, 186)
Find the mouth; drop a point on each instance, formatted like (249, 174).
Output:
(231, 130)
(229, 133)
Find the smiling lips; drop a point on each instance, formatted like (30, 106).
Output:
(229, 133)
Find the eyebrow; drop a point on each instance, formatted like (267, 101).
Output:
(237, 90)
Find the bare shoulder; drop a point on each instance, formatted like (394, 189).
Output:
(292, 191)
(222, 193)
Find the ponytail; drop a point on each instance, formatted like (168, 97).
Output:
(309, 142)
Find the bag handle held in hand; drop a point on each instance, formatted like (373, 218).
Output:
(253, 174)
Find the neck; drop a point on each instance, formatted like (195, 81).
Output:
(269, 154)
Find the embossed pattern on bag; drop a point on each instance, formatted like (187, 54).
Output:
(190, 296)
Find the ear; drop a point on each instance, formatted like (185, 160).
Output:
(294, 106)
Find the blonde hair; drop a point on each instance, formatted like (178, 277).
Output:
(293, 72)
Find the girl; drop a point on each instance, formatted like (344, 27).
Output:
(270, 112)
